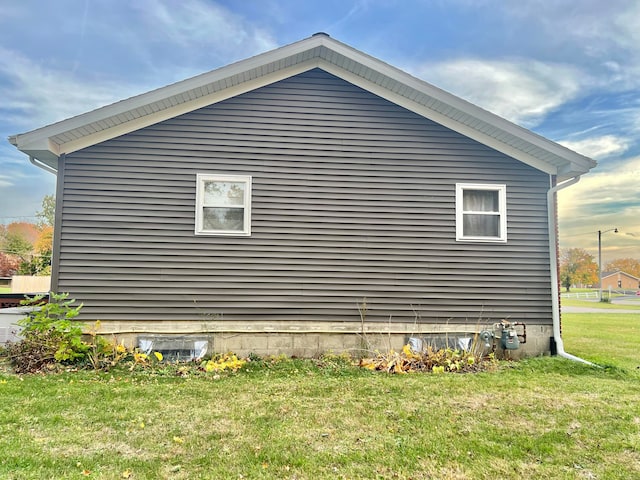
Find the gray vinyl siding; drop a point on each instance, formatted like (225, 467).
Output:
(353, 198)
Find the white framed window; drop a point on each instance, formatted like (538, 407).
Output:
(223, 204)
(481, 212)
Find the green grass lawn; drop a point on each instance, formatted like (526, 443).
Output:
(575, 302)
(540, 418)
(607, 339)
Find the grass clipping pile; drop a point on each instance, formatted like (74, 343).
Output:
(431, 360)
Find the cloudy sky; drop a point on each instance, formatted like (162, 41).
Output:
(567, 70)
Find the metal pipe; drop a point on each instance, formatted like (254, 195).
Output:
(553, 257)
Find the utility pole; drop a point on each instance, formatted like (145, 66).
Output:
(614, 230)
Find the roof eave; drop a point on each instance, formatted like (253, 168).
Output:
(579, 166)
(47, 143)
(160, 94)
(43, 150)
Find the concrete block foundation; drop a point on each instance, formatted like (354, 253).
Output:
(277, 338)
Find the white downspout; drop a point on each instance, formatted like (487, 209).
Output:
(553, 256)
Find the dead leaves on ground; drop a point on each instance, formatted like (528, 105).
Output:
(430, 360)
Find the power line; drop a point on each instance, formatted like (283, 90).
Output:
(18, 253)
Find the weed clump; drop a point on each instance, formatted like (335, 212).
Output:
(430, 360)
(52, 341)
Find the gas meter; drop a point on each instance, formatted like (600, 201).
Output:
(509, 338)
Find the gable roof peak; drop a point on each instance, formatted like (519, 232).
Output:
(320, 50)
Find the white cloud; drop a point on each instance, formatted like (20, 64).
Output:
(625, 30)
(600, 201)
(523, 91)
(202, 34)
(595, 33)
(34, 96)
(204, 27)
(596, 188)
(598, 147)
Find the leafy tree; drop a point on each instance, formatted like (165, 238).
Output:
(8, 265)
(29, 245)
(40, 261)
(36, 265)
(577, 266)
(16, 244)
(48, 213)
(44, 243)
(15, 249)
(29, 231)
(44, 250)
(626, 265)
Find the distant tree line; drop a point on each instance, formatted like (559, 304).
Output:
(26, 248)
(578, 267)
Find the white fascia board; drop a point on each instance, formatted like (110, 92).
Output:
(180, 109)
(186, 107)
(443, 120)
(43, 150)
(332, 59)
(39, 139)
(583, 163)
(32, 142)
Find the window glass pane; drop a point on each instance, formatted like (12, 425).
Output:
(224, 193)
(223, 219)
(481, 225)
(480, 201)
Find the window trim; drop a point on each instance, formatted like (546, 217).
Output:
(201, 178)
(502, 212)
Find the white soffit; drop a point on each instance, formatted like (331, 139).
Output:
(46, 144)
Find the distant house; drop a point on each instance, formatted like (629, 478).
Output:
(303, 200)
(620, 280)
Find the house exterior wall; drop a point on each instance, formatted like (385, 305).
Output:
(620, 280)
(353, 203)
